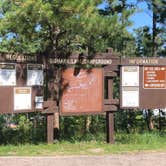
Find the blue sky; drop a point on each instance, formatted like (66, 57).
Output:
(140, 18)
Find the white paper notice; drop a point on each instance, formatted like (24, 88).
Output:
(22, 98)
(130, 97)
(35, 75)
(130, 76)
(39, 102)
(7, 75)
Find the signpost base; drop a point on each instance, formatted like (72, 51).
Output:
(50, 128)
(110, 127)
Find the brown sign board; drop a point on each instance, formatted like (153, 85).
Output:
(15, 95)
(143, 83)
(82, 91)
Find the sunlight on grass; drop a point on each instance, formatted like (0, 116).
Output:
(124, 144)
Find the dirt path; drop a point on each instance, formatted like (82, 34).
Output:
(139, 159)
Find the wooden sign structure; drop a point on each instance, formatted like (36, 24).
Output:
(143, 83)
(82, 89)
(21, 83)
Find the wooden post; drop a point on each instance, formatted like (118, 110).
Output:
(50, 128)
(110, 115)
(110, 127)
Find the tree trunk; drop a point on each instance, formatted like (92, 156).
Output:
(149, 120)
(87, 124)
(154, 29)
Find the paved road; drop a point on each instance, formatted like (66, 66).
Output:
(145, 159)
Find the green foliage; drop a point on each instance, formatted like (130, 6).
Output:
(120, 39)
(125, 143)
(144, 138)
(55, 26)
(74, 129)
(20, 130)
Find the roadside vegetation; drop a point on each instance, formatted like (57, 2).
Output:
(131, 135)
(125, 143)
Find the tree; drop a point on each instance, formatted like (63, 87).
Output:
(54, 26)
(143, 42)
(158, 10)
(121, 40)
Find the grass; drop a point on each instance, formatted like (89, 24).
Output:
(124, 144)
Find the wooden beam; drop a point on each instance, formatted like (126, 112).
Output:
(110, 115)
(111, 101)
(108, 108)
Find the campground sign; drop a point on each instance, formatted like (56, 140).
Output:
(80, 85)
(142, 82)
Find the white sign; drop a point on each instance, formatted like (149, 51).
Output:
(130, 76)
(39, 102)
(130, 97)
(35, 75)
(7, 75)
(22, 98)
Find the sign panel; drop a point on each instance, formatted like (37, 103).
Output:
(20, 58)
(154, 77)
(130, 97)
(22, 98)
(130, 76)
(34, 75)
(7, 75)
(82, 91)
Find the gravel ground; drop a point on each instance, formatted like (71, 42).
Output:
(138, 159)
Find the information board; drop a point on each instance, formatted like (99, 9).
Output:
(22, 98)
(34, 75)
(7, 75)
(154, 77)
(82, 91)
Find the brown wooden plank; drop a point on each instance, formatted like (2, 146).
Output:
(111, 101)
(110, 74)
(110, 108)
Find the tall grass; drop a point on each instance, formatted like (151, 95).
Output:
(124, 143)
(144, 138)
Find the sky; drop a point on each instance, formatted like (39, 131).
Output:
(141, 18)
